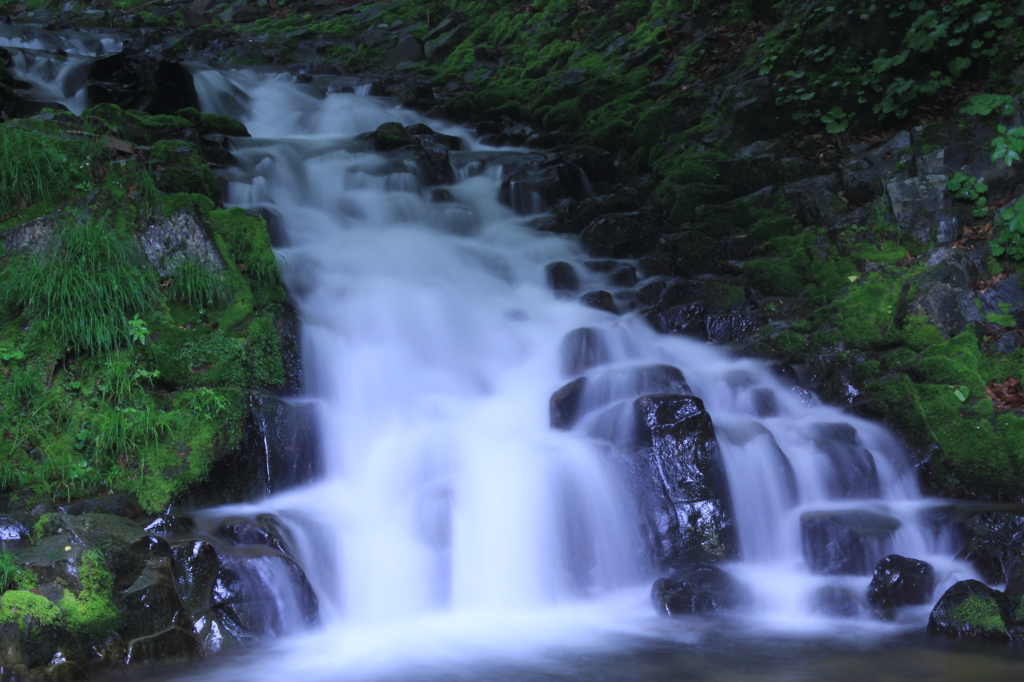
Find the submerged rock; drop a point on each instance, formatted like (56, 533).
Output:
(845, 542)
(699, 588)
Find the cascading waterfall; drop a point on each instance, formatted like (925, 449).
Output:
(449, 520)
(432, 346)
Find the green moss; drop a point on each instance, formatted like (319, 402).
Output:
(179, 167)
(92, 612)
(565, 115)
(982, 613)
(774, 277)
(889, 253)
(390, 136)
(222, 125)
(28, 609)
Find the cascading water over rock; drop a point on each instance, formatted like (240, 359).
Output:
(500, 465)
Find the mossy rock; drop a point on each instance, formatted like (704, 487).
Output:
(391, 136)
(178, 166)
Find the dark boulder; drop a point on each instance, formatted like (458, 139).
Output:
(617, 235)
(699, 588)
(562, 278)
(899, 581)
(994, 543)
(970, 609)
(535, 187)
(845, 542)
(565, 404)
(134, 80)
(923, 208)
(599, 300)
(684, 493)
(689, 320)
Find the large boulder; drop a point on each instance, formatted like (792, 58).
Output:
(685, 495)
(854, 473)
(971, 609)
(136, 80)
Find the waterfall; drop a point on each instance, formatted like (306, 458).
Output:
(449, 521)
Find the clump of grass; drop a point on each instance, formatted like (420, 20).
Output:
(85, 288)
(197, 284)
(36, 166)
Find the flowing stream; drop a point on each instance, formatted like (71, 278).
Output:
(452, 529)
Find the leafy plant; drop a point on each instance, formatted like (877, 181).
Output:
(1008, 145)
(137, 330)
(967, 188)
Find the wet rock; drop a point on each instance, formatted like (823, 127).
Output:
(853, 467)
(815, 199)
(731, 327)
(181, 237)
(846, 542)
(265, 529)
(864, 175)
(152, 602)
(582, 349)
(835, 602)
(689, 320)
(565, 403)
(117, 504)
(246, 600)
(1005, 297)
(408, 49)
(534, 187)
(173, 645)
(763, 402)
(15, 527)
(923, 208)
(686, 498)
(134, 80)
(619, 235)
(601, 300)
(562, 278)
(970, 609)
(700, 588)
(898, 581)
(994, 543)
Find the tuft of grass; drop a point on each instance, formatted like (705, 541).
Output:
(85, 289)
(196, 284)
(36, 166)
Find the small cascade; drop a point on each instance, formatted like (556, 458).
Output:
(55, 65)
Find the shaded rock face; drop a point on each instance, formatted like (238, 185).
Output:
(845, 543)
(685, 495)
(280, 450)
(134, 80)
(994, 544)
(898, 581)
(700, 588)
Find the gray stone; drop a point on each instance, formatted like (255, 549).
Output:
(923, 208)
(407, 50)
(815, 199)
(172, 241)
(845, 543)
(35, 236)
